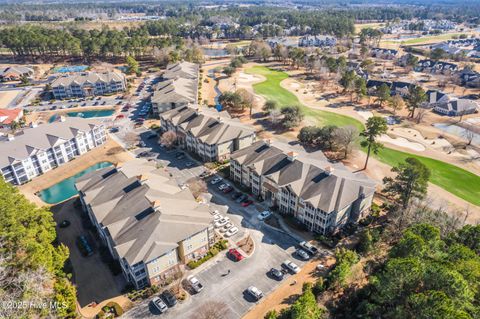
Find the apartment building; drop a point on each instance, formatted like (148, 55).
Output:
(381, 53)
(41, 148)
(317, 41)
(211, 135)
(178, 88)
(323, 196)
(88, 84)
(149, 224)
(15, 72)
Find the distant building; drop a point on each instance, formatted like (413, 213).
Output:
(15, 72)
(150, 225)
(317, 41)
(457, 107)
(470, 78)
(42, 148)
(323, 196)
(435, 98)
(8, 116)
(436, 67)
(178, 88)
(211, 135)
(88, 84)
(388, 54)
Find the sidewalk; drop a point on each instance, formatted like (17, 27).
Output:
(293, 232)
(90, 312)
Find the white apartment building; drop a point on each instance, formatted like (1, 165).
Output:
(323, 196)
(88, 84)
(149, 224)
(211, 135)
(42, 148)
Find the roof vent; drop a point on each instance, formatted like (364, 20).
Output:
(142, 177)
(268, 142)
(10, 137)
(329, 170)
(62, 118)
(292, 156)
(119, 165)
(156, 204)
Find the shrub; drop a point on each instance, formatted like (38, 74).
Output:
(318, 287)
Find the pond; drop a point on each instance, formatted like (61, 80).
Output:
(66, 188)
(458, 131)
(85, 114)
(211, 52)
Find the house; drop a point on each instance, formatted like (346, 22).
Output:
(323, 196)
(436, 67)
(400, 88)
(434, 98)
(381, 53)
(359, 71)
(211, 135)
(317, 41)
(15, 73)
(178, 88)
(150, 225)
(457, 107)
(85, 84)
(9, 116)
(41, 148)
(373, 85)
(470, 78)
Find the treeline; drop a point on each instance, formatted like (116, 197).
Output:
(31, 261)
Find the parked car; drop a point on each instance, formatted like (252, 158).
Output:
(302, 254)
(216, 180)
(180, 155)
(64, 223)
(84, 246)
(152, 135)
(195, 284)
(159, 304)
(142, 144)
(255, 292)
(242, 198)
(217, 217)
(189, 164)
(264, 215)
(235, 254)
(236, 195)
(275, 273)
(227, 189)
(290, 265)
(222, 222)
(232, 231)
(309, 248)
(222, 186)
(321, 267)
(169, 298)
(203, 175)
(226, 227)
(246, 203)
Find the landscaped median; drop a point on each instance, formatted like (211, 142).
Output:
(455, 180)
(216, 248)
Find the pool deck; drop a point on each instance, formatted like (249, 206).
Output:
(111, 151)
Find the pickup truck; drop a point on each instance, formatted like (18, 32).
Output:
(195, 284)
(309, 248)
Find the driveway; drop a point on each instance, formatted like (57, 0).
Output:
(91, 275)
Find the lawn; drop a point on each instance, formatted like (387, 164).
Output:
(424, 39)
(272, 90)
(455, 180)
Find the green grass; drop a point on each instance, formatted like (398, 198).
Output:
(455, 180)
(272, 90)
(441, 37)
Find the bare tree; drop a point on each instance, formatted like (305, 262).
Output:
(469, 135)
(421, 114)
(212, 310)
(345, 138)
(396, 103)
(168, 138)
(275, 116)
(197, 186)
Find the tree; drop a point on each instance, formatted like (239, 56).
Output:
(416, 96)
(247, 100)
(132, 65)
(468, 134)
(197, 186)
(360, 87)
(231, 100)
(348, 82)
(168, 139)
(269, 106)
(345, 138)
(437, 54)
(383, 94)
(345, 260)
(275, 116)
(396, 103)
(410, 182)
(325, 137)
(228, 71)
(292, 116)
(212, 310)
(365, 243)
(14, 126)
(375, 127)
(309, 135)
(306, 306)
(411, 62)
(272, 314)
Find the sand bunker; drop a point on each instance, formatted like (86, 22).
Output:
(412, 134)
(365, 114)
(294, 85)
(403, 142)
(248, 77)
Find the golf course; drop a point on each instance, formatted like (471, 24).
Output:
(455, 180)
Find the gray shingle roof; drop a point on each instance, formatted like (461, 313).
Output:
(43, 137)
(83, 77)
(145, 212)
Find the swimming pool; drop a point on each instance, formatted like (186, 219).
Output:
(85, 114)
(66, 188)
(70, 68)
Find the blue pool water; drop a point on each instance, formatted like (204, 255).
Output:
(70, 68)
(66, 188)
(85, 114)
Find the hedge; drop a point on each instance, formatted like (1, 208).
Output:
(212, 252)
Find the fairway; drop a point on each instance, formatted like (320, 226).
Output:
(455, 180)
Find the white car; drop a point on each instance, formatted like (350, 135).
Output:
(195, 283)
(215, 212)
(255, 292)
(232, 231)
(216, 180)
(309, 248)
(290, 265)
(222, 222)
(159, 304)
(217, 217)
(264, 215)
(223, 186)
(226, 227)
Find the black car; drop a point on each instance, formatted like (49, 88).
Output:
(203, 175)
(64, 224)
(179, 156)
(84, 246)
(236, 195)
(169, 298)
(242, 198)
(275, 273)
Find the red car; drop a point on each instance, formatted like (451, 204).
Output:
(235, 254)
(228, 189)
(247, 203)
(120, 116)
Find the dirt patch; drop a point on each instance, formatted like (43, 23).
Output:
(247, 245)
(6, 97)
